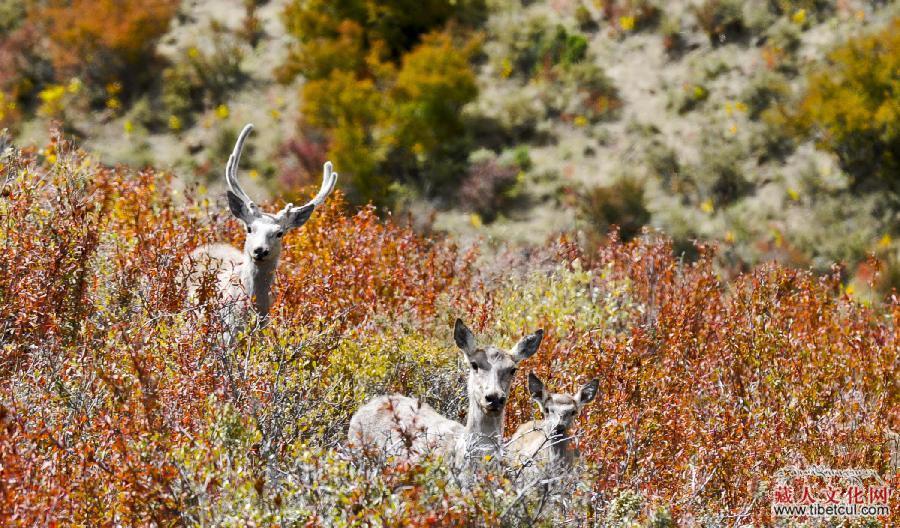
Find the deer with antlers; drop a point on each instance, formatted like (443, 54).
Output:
(407, 428)
(244, 278)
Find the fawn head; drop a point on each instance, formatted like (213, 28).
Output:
(559, 409)
(265, 231)
(491, 369)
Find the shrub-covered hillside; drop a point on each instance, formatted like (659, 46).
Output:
(769, 127)
(119, 406)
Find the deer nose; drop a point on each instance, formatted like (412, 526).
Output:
(495, 401)
(260, 252)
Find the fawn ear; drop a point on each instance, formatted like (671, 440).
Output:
(588, 392)
(239, 208)
(527, 346)
(536, 388)
(464, 337)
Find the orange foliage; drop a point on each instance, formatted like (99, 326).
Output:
(116, 35)
(106, 380)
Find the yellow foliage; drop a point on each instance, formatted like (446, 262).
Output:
(51, 100)
(853, 106)
(384, 86)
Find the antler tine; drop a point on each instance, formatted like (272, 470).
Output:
(329, 179)
(232, 167)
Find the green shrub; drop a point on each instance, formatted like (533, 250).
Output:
(432, 85)
(396, 24)
(12, 14)
(852, 107)
(763, 90)
(631, 15)
(385, 89)
(688, 97)
(522, 158)
(201, 80)
(621, 204)
(719, 176)
(535, 45)
(584, 18)
(673, 40)
(584, 91)
(810, 7)
(721, 20)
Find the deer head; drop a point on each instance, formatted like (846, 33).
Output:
(492, 369)
(265, 231)
(560, 410)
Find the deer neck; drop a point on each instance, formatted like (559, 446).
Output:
(483, 431)
(257, 279)
(560, 445)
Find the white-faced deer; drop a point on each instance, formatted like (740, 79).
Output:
(405, 427)
(244, 278)
(547, 442)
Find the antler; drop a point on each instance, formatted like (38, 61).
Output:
(329, 179)
(232, 167)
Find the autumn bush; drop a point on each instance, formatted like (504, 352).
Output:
(851, 107)
(386, 82)
(114, 44)
(119, 405)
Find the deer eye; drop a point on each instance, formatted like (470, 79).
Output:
(249, 229)
(279, 234)
(474, 365)
(512, 371)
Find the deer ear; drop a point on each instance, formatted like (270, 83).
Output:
(588, 392)
(464, 337)
(527, 347)
(297, 216)
(536, 388)
(239, 208)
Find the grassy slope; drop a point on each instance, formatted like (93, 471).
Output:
(798, 211)
(647, 78)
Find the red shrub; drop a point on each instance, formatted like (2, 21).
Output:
(706, 387)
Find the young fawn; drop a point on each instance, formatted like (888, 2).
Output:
(244, 278)
(547, 442)
(405, 427)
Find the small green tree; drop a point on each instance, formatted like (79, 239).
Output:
(385, 86)
(852, 107)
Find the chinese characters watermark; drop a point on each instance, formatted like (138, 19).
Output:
(819, 491)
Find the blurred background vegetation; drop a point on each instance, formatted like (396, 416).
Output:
(771, 127)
